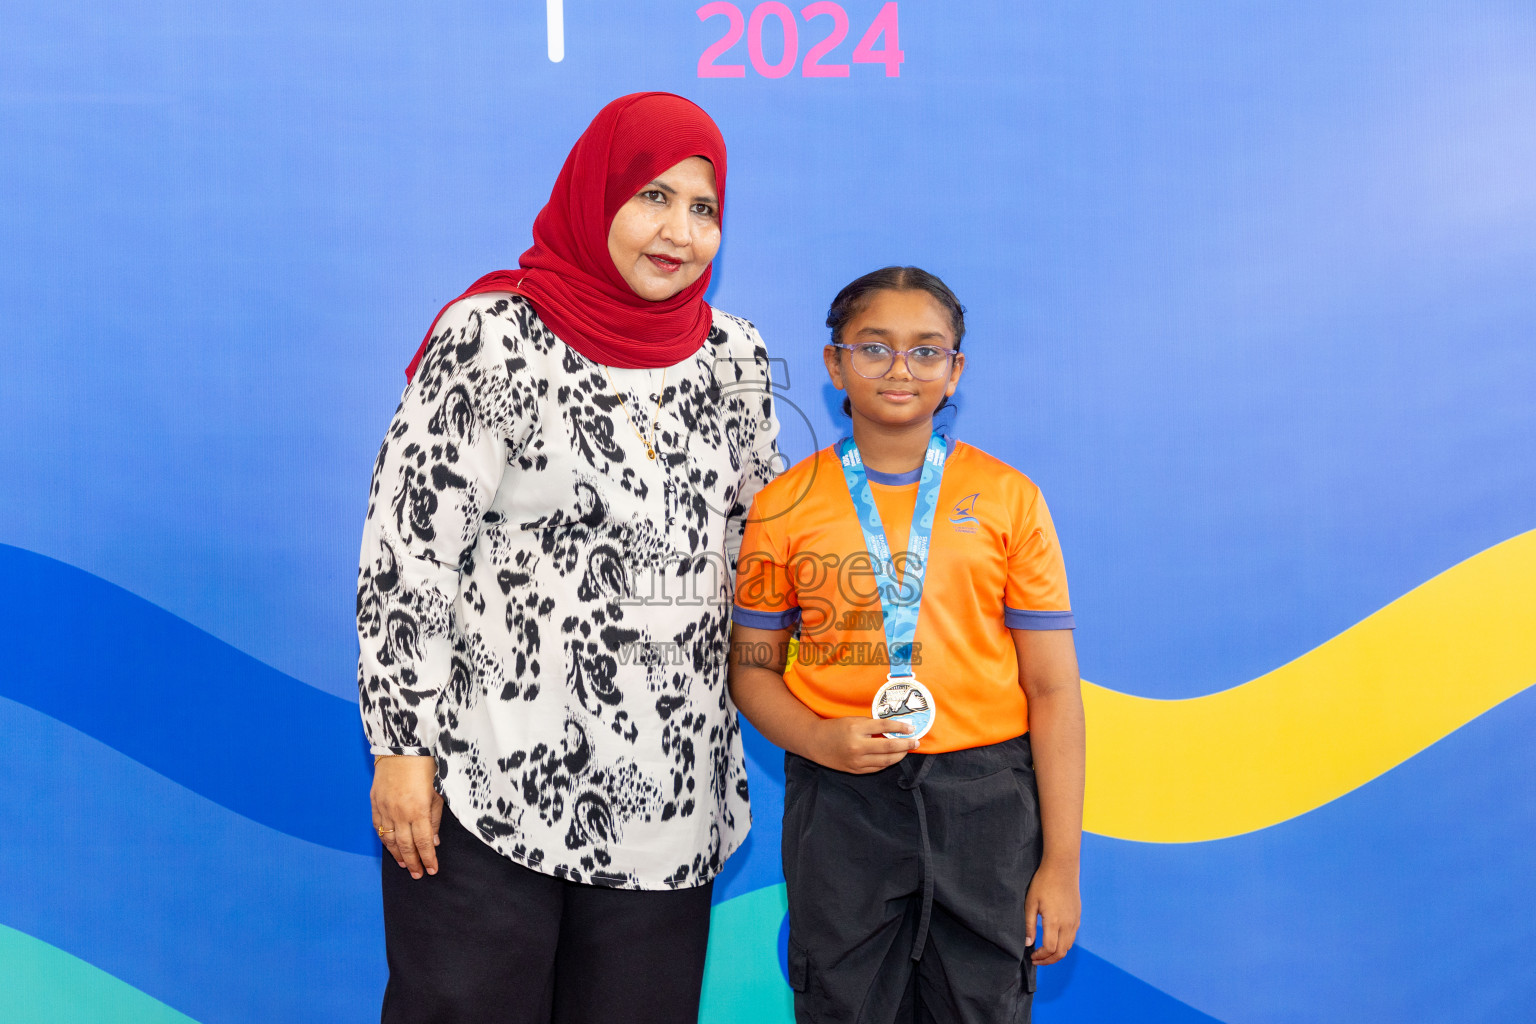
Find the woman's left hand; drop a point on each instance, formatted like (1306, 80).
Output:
(1054, 898)
(407, 810)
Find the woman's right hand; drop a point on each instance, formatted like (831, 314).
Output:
(858, 745)
(407, 810)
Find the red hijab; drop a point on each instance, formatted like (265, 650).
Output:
(569, 276)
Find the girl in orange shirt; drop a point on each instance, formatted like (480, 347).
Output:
(932, 719)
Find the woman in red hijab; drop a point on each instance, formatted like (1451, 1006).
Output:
(542, 601)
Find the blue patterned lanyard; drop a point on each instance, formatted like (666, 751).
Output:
(900, 616)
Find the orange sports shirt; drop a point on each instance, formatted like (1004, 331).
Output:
(994, 564)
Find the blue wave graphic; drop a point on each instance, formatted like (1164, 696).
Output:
(183, 702)
(231, 922)
(171, 892)
(224, 919)
(153, 686)
(1086, 987)
(1405, 900)
(1394, 900)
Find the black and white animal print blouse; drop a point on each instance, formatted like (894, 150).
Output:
(545, 609)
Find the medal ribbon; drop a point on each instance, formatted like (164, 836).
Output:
(900, 616)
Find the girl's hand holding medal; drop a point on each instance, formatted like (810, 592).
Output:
(858, 745)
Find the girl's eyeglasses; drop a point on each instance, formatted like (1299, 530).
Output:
(873, 360)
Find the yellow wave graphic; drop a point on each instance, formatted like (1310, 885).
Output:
(1181, 771)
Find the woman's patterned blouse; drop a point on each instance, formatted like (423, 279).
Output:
(546, 609)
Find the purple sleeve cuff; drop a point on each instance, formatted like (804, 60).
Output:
(754, 619)
(1018, 618)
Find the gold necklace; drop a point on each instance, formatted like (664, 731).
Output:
(650, 446)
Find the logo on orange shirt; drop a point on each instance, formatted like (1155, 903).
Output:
(964, 521)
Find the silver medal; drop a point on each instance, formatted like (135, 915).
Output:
(904, 699)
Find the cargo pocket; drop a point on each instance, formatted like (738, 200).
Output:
(799, 967)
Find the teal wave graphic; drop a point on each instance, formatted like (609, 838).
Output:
(45, 985)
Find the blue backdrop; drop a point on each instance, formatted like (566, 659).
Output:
(1252, 295)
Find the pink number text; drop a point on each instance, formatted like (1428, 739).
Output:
(880, 43)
